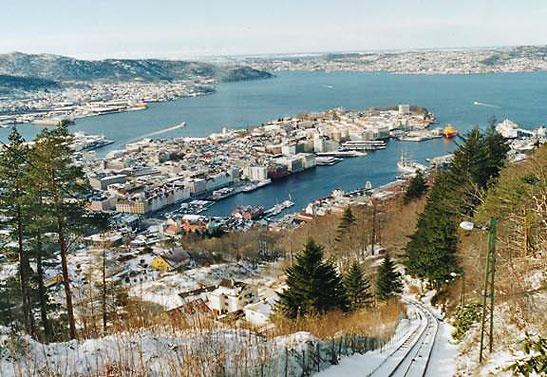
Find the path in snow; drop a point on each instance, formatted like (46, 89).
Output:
(442, 362)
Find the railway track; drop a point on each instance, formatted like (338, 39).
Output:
(411, 357)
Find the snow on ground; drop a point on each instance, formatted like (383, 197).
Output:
(160, 352)
(443, 359)
(8, 270)
(445, 352)
(359, 365)
(165, 289)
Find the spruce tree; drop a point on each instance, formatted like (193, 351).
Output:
(348, 219)
(431, 251)
(357, 287)
(388, 281)
(417, 187)
(497, 148)
(314, 286)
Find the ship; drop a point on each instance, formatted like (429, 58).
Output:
(254, 186)
(327, 161)
(54, 121)
(279, 207)
(449, 131)
(408, 165)
(83, 142)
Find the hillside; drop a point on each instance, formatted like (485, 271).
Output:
(9, 83)
(54, 67)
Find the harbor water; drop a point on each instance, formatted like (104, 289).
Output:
(462, 100)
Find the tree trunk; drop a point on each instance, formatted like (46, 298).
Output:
(23, 270)
(104, 291)
(66, 282)
(42, 293)
(373, 236)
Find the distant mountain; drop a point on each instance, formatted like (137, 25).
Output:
(62, 68)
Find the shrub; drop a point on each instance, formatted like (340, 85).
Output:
(464, 317)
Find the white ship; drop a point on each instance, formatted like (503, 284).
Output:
(84, 142)
(254, 186)
(408, 165)
(327, 160)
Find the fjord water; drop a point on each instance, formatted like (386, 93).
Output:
(521, 97)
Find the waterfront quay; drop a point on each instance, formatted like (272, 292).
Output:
(150, 175)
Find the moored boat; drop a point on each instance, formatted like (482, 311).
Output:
(450, 131)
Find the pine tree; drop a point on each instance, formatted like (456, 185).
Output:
(388, 281)
(13, 160)
(417, 187)
(62, 184)
(314, 287)
(357, 287)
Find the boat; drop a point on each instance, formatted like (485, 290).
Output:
(450, 131)
(53, 121)
(279, 207)
(263, 183)
(250, 187)
(407, 165)
(83, 142)
(253, 186)
(327, 160)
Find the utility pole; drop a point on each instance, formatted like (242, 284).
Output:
(487, 319)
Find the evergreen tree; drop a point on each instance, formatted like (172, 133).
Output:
(431, 251)
(388, 281)
(497, 148)
(62, 185)
(357, 287)
(13, 160)
(314, 287)
(348, 219)
(417, 187)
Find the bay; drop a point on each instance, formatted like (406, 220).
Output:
(521, 97)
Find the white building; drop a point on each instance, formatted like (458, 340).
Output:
(288, 149)
(256, 173)
(232, 296)
(259, 313)
(319, 145)
(404, 109)
(308, 160)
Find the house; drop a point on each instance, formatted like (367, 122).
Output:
(259, 313)
(171, 259)
(172, 230)
(232, 296)
(193, 312)
(108, 239)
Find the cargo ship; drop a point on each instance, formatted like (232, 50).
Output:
(449, 131)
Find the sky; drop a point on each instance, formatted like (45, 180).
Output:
(95, 29)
